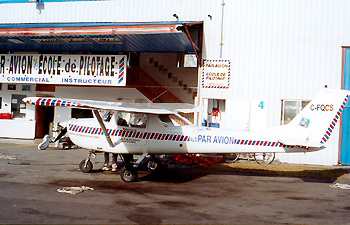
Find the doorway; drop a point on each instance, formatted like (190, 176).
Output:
(44, 118)
(214, 112)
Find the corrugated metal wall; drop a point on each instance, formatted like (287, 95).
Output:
(287, 49)
(280, 49)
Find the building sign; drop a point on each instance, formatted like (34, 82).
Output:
(216, 74)
(99, 70)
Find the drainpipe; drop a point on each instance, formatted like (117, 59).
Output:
(222, 28)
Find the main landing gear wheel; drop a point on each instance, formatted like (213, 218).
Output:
(264, 158)
(85, 167)
(230, 157)
(155, 165)
(128, 173)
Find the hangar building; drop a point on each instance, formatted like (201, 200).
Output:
(272, 57)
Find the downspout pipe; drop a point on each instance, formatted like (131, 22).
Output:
(222, 27)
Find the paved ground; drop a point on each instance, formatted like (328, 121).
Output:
(29, 194)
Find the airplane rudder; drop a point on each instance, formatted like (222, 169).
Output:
(323, 113)
(328, 103)
(336, 117)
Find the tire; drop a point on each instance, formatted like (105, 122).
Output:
(155, 165)
(230, 157)
(66, 146)
(88, 167)
(128, 173)
(264, 158)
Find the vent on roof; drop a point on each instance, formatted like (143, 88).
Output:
(48, 40)
(107, 40)
(76, 40)
(15, 40)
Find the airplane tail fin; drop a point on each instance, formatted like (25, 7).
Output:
(313, 126)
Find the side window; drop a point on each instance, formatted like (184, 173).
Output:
(81, 113)
(138, 120)
(290, 108)
(122, 122)
(0, 102)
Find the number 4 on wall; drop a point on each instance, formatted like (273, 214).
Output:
(261, 105)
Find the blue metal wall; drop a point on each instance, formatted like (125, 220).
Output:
(345, 126)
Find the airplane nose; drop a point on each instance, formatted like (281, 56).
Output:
(29, 100)
(26, 100)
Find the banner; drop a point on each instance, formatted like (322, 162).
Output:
(216, 74)
(99, 70)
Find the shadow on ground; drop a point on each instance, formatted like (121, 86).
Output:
(183, 175)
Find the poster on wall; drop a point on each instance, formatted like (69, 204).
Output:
(216, 74)
(97, 70)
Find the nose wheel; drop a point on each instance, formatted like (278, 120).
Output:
(85, 166)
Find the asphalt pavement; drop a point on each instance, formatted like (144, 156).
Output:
(30, 178)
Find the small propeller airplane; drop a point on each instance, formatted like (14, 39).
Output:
(150, 129)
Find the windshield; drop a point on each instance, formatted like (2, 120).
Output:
(173, 120)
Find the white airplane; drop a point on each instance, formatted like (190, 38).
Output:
(157, 128)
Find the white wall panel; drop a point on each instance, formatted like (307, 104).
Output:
(286, 49)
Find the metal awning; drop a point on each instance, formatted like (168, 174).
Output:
(97, 37)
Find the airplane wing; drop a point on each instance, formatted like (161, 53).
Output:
(150, 108)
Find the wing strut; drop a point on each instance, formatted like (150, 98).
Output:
(104, 129)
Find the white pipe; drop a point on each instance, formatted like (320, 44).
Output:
(222, 28)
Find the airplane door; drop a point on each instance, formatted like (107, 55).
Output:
(133, 131)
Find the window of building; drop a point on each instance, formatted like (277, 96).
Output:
(0, 102)
(25, 87)
(290, 108)
(0, 87)
(11, 87)
(18, 106)
(186, 60)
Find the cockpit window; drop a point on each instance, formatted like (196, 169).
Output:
(127, 119)
(107, 116)
(173, 120)
(138, 120)
(166, 120)
(122, 122)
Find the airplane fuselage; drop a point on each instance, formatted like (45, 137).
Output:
(156, 138)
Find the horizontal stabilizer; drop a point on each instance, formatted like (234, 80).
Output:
(299, 143)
